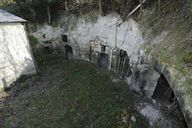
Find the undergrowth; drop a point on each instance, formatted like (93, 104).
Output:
(33, 41)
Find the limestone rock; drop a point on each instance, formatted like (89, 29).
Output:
(133, 119)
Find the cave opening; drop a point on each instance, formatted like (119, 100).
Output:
(103, 60)
(68, 52)
(165, 94)
(163, 91)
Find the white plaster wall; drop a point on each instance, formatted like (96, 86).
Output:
(129, 36)
(15, 55)
(50, 33)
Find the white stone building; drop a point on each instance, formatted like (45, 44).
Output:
(15, 55)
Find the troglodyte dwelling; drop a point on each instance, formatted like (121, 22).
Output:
(15, 54)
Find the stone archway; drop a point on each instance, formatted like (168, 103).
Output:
(163, 90)
(68, 52)
(165, 94)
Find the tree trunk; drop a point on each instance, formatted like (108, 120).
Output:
(100, 7)
(49, 14)
(66, 6)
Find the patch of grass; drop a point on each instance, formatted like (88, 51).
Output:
(148, 50)
(187, 57)
(70, 94)
(165, 55)
(188, 84)
(33, 40)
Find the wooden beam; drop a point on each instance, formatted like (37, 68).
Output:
(134, 10)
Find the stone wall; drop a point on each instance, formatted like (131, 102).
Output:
(15, 55)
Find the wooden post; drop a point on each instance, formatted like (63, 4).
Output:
(134, 10)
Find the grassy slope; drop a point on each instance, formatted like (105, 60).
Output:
(69, 94)
(176, 49)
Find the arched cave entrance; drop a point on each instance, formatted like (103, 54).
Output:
(163, 91)
(165, 94)
(122, 65)
(68, 52)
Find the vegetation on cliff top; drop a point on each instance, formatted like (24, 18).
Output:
(174, 49)
(46, 10)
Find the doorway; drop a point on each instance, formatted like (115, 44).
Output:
(103, 60)
(68, 52)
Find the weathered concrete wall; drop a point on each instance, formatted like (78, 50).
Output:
(15, 54)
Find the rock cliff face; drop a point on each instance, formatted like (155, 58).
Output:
(129, 48)
(105, 31)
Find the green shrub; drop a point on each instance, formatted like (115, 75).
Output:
(33, 40)
(187, 57)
